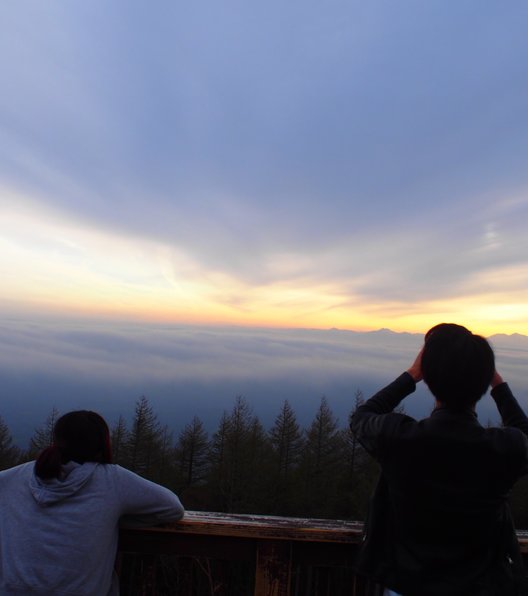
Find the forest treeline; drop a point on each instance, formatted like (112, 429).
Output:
(317, 471)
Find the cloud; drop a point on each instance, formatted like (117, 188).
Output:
(385, 278)
(367, 154)
(141, 351)
(196, 370)
(233, 99)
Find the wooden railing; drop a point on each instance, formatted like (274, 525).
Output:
(275, 548)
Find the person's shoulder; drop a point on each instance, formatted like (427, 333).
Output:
(18, 469)
(504, 432)
(116, 478)
(508, 438)
(111, 470)
(118, 473)
(16, 473)
(398, 423)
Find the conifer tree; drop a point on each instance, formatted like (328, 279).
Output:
(256, 468)
(218, 461)
(286, 444)
(143, 440)
(236, 459)
(357, 472)
(352, 445)
(164, 464)
(9, 453)
(322, 458)
(119, 436)
(192, 452)
(43, 436)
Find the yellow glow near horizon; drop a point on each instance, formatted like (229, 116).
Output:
(50, 264)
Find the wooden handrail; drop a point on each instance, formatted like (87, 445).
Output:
(267, 527)
(273, 544)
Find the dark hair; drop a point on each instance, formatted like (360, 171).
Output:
(79, 436)
(457, 365)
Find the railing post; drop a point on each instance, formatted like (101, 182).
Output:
(148, 579)
(273, 568)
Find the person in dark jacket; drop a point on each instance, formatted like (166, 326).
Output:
(439, 523)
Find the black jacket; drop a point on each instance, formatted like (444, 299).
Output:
(439, 522)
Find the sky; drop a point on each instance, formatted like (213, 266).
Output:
(357, 165)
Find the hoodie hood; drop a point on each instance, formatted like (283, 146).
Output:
(73, 477)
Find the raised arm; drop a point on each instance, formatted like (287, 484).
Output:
(373, 421)
(509, 409)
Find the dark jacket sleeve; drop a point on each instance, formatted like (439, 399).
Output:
(370, 422)
(509, 408)
(513, 417)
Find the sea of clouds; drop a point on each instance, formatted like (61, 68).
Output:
(191, 370)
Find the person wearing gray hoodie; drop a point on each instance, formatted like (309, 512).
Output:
(60, 515)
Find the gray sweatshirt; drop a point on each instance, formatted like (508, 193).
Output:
(59, 537)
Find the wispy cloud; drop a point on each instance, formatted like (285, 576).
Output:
(342, 159)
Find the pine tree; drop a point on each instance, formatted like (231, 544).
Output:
(192, 451)
(142, 445)
(352, 445)
(256, 468)
(357, 473)
(164, 464)
(322, 459)
(119, 436)
(43, 436)
(9, 453)
(286, 444)
(237, 452)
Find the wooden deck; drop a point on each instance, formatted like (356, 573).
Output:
(273, 546)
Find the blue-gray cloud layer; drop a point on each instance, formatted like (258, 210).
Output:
(188, 371)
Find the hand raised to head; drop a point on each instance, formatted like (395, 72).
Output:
(496, 380)
(415, 370)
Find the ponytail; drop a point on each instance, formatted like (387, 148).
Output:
(48, 464)
(81, 436)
